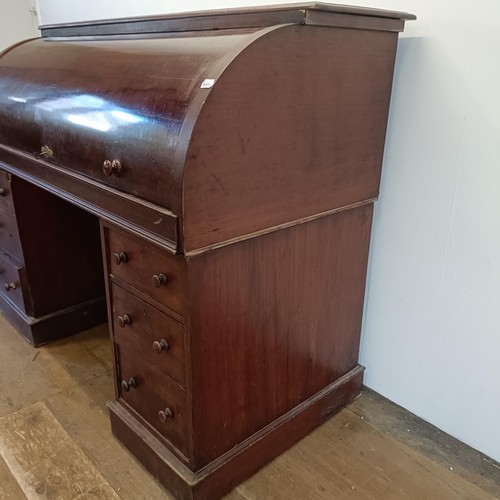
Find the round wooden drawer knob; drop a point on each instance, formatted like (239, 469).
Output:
(164, 414)
(112, 168)
(120, 258)
(3, 192)
(159, 280)
(10, 286)
(124, 320)
(128, 384)
(160, 345)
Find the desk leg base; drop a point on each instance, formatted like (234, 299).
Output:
(225, 473)
(40, 331)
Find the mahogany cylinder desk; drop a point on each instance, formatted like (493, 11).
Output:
(205, 180)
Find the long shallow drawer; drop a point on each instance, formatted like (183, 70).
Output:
(9, 235)
(149, 333)
(6, 202)
(12, 278)
(159, 400)
(160, 275)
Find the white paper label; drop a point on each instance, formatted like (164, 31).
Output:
(208, 83)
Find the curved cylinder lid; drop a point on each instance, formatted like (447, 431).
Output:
(233, 131)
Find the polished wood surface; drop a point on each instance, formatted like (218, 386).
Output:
(130, 212)
(70, 257)
(151, 394)
(144, 266)
(9, 235)
(329, 142)
(230, 469)
(223, 179)
(273, 320)
(141, 102)
(51, 268)
(128, 105)
(13, 283)
(146, 330)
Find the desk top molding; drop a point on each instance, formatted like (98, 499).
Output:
(235, 18)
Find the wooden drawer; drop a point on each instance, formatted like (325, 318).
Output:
(148, 332)
(9, 235)
(6, 202)
(143, 265)
(153, 396)
(12, 281)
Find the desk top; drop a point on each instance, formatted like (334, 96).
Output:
(245, 17)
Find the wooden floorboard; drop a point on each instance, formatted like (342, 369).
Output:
(45, 460)
(82, 412)
(9, 487)
(55, 436)
(349, 458)
(426, 439)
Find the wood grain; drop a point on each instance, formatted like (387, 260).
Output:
(143, 262)
(71, 250)
(9, 235)
(226, 472)
(425, 439)
(45, 460)
(153, 393)
(9, 487)
(306, 136)
(149, 325)
(318, 18)
(82, 412)
(49, 244)
(48, 371)
(132, 100)
(14, 283)
(152, 221)
(74, 379)
(273, 320)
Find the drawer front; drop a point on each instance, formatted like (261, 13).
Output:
(147, 268)
(159, 400)
(9, 235)
(148, 332)
(12, 279)
(6, 202)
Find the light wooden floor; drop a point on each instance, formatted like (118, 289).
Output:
(56, 444)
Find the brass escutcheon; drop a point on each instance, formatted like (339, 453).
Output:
(45, 152)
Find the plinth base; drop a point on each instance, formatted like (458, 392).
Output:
(222, 475)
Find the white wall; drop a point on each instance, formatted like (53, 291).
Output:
(431, 335)
(57, 11)
(16, 22)
(431, 339)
